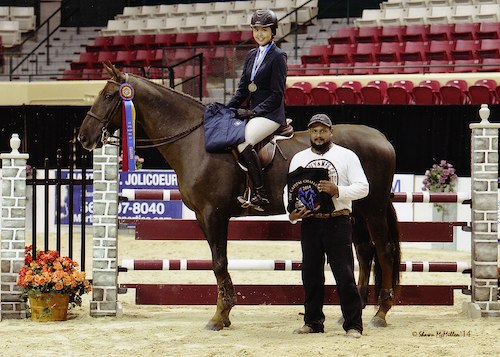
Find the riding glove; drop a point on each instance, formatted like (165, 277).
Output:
(245, 113)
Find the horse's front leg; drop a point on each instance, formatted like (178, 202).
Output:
(226, 298)
(216, 233)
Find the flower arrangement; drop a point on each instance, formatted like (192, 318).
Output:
(50, 273)
(440, 178)
(139, 161)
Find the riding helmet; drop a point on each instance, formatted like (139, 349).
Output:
(265, 18)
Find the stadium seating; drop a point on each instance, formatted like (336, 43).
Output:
(375, 92)
(483, 92)
(400, 92)
(439, 50)
(299, 93)
(427, 92)
(323, 93)
(454, 92)
(489, 48)
(389, 52)
(349, 93)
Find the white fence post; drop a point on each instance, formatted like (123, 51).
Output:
(13, 228)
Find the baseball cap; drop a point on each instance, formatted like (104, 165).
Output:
(320, 118)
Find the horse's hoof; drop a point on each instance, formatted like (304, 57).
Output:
(227, 322)
(377, 322)
(214, 326)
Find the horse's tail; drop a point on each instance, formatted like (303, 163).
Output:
(392, 222)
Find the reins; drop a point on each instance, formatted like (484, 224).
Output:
(106, 136)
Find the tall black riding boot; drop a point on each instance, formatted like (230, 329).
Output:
(259, 197)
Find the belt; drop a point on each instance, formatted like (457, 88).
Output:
(342, 212)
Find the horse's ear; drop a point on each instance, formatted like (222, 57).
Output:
(119, 76)
(109, 68)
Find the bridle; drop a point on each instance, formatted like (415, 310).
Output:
(106, 136)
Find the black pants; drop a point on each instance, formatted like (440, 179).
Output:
(331, 237)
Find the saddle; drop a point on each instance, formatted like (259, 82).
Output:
(266, 149)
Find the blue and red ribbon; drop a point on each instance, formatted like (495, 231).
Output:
(128, 127)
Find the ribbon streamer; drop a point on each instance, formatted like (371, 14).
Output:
(128, 128)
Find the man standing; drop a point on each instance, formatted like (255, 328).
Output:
(330, 233)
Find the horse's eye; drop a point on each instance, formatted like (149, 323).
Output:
(108, 97)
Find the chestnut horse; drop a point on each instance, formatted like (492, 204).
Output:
(209, 183)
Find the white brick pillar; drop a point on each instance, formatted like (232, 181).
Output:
(13, 230)
(105, 228)
(484, 251)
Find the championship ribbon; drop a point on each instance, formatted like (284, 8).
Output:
(128, 127)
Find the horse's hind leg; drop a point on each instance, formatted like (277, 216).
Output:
(365, 252)
(215, 231)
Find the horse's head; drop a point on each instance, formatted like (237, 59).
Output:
(105, 115)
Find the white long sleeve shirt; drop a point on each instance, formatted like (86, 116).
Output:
(344, 169)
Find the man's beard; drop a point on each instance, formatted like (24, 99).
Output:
(322, 148)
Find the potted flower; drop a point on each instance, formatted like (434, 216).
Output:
(440, 178)
(51, 283)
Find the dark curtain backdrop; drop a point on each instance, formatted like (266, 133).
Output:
(421, 135)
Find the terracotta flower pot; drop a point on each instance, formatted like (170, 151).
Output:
(49, 307)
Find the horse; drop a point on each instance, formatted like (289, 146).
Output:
(210, 182)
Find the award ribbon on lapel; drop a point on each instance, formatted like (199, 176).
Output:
(128, 127)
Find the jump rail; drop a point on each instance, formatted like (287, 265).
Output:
(431, 197)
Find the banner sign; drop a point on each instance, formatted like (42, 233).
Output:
(143, 179)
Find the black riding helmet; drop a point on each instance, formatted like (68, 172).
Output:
(265, 18)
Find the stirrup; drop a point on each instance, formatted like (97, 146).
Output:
(246, 203)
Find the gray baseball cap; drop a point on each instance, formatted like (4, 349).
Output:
(320, 118)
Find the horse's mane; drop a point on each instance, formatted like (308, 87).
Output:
(161, 86)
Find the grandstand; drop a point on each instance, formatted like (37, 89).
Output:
(410, 41)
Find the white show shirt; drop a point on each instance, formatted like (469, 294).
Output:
(344, 169)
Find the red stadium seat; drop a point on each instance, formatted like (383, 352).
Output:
(488, 30)
(104, 57)
(439, 50)
(138, 70)
(349, 93)
(343, 35)
(228, 38)
(363, 68)
(427, 93)
(375, 92)
(317, 54)
(184, 39)
(87, 60)
(72, 74)
(205, 39)
(388, 67)
(341, 53)
(295, 70)
(143, 58)
(490, 65)
(400, 92)
(121, 43)
(439, 32)
(164, 40)
(91, 73)
(415, 33)
(365, 52)
(337, 69)
(323, 93)
(125, 58)
(410, 67)
(161, 57)
(389, 52)
(101, 43)
(367, 34)
(465, 50)
(313, 69)
(391, 34)
(489, 48)
(298, 93)
(466, 66)
(439, 66)
(483, 92)
(414, 51)
(142, 42)
(454, 92)
(465, 31)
